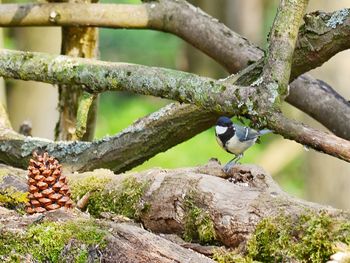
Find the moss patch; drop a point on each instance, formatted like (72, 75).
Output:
(224, 256)
(199, 226)
(53, 242)
(309, 238)
(125, 199)
(13, 199)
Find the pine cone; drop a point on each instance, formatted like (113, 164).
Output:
(48, 189)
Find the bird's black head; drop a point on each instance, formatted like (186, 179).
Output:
(224, 122)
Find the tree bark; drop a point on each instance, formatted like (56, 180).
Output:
(323, 33)
(215, 96)
(125, 242)
(76, 42)
(235, 203)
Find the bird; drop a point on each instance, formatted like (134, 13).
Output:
(235, 139)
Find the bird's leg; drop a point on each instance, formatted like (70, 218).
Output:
(232, 163)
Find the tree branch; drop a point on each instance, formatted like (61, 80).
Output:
(72, 125)
(100, 76)
(129, 148)
(329, 104)
(282, 40)
(164, 15)
(318, 140)
(323, 33)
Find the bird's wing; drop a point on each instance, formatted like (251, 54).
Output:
(246, 133)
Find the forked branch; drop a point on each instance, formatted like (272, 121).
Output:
(322, 36)
(100, 76)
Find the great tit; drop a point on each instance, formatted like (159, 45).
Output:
(235, 139)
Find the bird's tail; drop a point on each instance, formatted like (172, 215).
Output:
(264, 131)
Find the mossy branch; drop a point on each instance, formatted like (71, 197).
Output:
(118, 153)
(322, 36)
(282, 40)
(97, 76)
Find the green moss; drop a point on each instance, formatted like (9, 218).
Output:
(49, 242)
(13, 199)
(224, 256)
(125, 199)
(90, 183)
(309, 238)
(198, 224)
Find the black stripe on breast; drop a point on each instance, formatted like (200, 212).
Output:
(224, 137)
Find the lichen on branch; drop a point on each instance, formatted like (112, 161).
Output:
(97, 76)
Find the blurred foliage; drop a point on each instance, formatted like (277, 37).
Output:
(118, 110)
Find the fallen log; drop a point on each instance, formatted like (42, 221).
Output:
(61, 236)
(207, 206)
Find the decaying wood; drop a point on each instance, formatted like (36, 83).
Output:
(236, 203)
(132, 244)
(126, 242)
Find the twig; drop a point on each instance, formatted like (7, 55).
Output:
(84, 105)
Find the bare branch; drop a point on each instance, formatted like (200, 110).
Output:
(318, 140)
(328, 108)
(177, 17)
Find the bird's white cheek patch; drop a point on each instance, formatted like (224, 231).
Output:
(220, 129)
